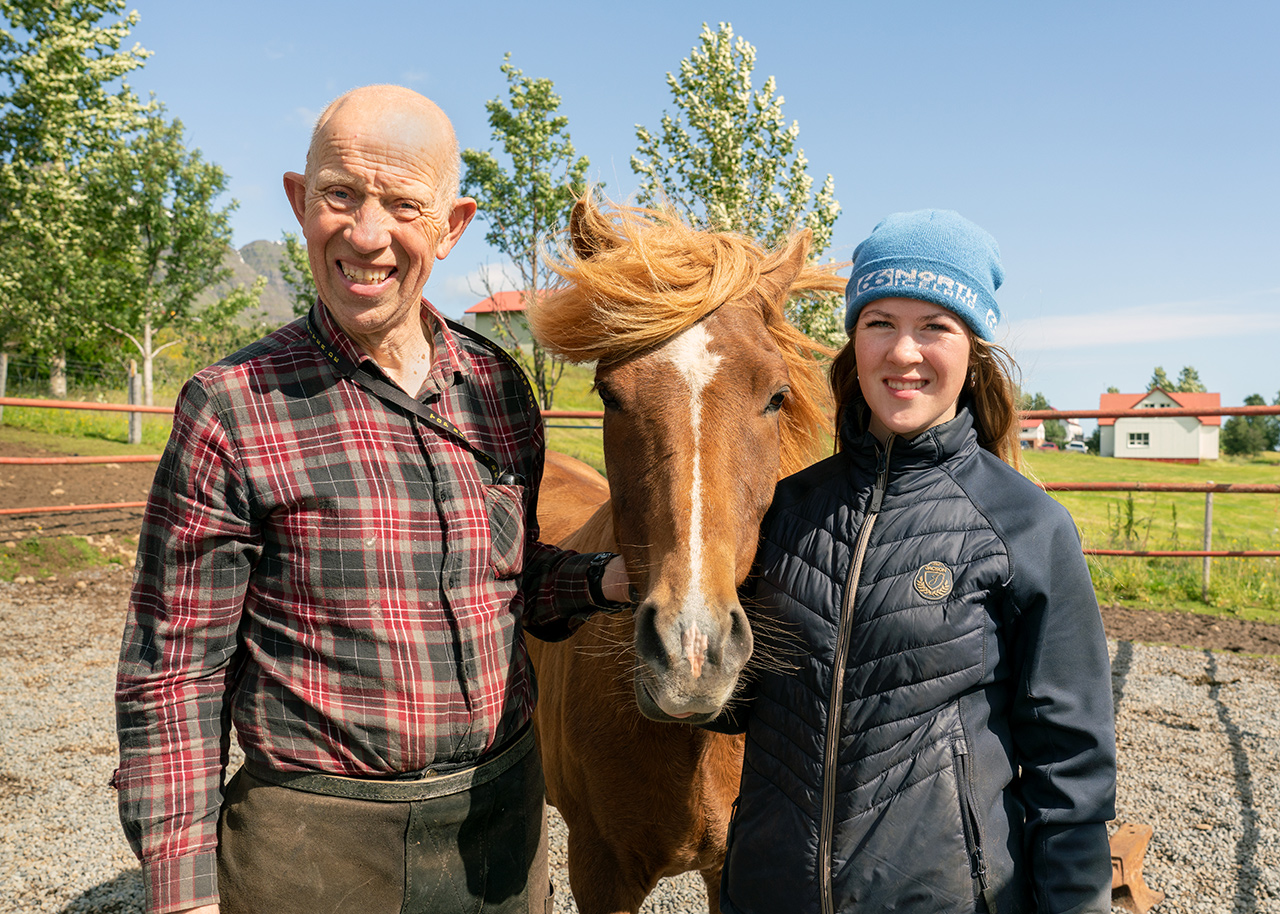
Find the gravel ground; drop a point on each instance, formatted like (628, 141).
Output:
(1199, 761)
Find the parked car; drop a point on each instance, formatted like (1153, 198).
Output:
(1046, 446)
(1078, 447)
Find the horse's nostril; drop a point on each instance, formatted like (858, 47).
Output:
(649, 642)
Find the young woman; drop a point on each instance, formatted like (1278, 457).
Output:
(941, 737)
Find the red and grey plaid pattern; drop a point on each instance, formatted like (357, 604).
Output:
(335, 577)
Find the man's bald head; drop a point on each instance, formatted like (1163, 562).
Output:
(415, 120)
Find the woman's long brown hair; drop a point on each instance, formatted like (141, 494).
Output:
(992, 389)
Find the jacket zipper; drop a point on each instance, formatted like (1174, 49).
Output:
(969, 818)
(826, 833)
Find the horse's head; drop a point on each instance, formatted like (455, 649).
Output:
(709, 396)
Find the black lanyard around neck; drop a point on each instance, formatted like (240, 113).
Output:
(390, 393)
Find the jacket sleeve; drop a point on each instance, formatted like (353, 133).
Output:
(195, 551)
(1062, 715)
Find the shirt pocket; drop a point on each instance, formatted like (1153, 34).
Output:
(504, 507)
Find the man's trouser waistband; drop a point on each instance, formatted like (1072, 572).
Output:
(424, 788)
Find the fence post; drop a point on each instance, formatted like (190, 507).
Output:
(135, 398)
(4, 378)
(1208, 543)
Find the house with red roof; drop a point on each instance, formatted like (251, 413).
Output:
(1031, 432)
(1173, 439)
(500, 310)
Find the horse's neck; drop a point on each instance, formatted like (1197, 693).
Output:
(596, 535)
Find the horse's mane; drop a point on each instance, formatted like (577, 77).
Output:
(632, 278)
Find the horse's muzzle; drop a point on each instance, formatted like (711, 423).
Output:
(689, 660)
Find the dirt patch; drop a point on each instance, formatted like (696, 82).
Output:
(1183, 629)
(40, 486)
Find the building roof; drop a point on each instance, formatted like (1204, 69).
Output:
(512, 300)
(1185, 400)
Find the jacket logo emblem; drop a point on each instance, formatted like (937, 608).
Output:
(934, 581)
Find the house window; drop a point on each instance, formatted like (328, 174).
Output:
(1139, 439)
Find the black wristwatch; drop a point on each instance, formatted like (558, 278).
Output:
(595, 582)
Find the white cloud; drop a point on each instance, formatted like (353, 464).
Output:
(306, 117)
(1157, 323)
(453, 293)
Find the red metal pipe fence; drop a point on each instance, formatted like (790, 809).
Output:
(1208, 488)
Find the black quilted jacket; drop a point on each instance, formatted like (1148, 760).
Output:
(971, 763)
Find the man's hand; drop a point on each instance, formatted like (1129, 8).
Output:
(616, 584)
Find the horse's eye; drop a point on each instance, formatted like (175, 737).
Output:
(776, 401)
(606, 397)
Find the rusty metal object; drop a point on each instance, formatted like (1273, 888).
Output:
(1128, 848)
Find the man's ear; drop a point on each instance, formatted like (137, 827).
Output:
(464, 210)
(295, 188)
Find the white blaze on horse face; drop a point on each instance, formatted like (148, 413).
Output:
(691, 354)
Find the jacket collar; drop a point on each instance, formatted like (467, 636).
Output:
(929, 448)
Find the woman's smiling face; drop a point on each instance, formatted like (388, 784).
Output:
(913, 358)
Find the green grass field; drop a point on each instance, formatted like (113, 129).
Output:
(1245, 588)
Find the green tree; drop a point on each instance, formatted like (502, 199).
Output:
(228, 324)
(1159, 379)
(172, 237)
(523, 207)
(295, 270)
(1241, 438)
(1273, 428)
(729, 160)
(1054, 429)
(1248, 435)
(64, 108)
(1189, 381)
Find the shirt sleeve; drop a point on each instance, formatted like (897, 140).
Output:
(554, 583)
(555, 586)
(1063, 719)
(195, 552)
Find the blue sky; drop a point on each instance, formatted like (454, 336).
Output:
(1124, 154)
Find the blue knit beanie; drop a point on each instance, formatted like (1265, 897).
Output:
(934, 255)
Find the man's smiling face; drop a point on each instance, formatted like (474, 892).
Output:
(371, 210)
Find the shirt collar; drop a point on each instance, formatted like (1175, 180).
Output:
(451, 362)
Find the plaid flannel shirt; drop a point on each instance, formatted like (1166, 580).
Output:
(334, 576)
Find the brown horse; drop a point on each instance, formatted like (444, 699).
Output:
(709, 397)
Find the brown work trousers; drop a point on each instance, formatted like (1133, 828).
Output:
(483, 850)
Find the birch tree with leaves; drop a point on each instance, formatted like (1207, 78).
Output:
(728, 159)
(528, 204)
(295, 270)
(64, 107)
(162, 199)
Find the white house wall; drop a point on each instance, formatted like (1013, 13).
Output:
(488, 325)
(1171, 438)
(1209, 442)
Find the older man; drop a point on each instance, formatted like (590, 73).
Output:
(339, 558)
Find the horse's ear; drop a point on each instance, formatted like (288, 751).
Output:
(584, 232)
(784, 273)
